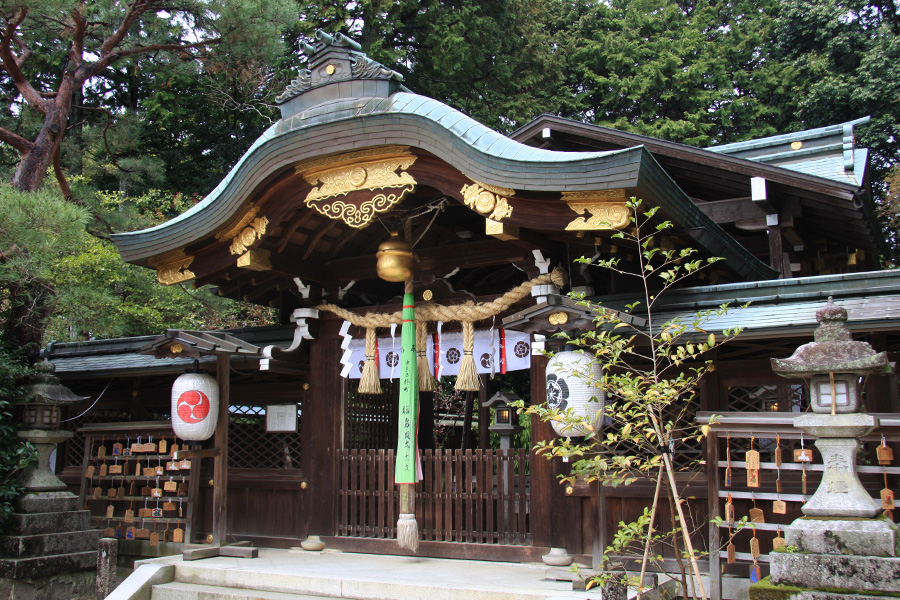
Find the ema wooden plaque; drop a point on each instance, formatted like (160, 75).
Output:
(778, 543)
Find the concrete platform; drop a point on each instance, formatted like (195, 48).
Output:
(296, 574)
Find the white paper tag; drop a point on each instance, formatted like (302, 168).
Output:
(393, 347)
(440, 367)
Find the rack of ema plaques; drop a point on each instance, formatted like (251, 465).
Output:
(762, 471)
(139, 487)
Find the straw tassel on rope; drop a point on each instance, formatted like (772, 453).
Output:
(427, 382)
(369, 382)
(467, 380)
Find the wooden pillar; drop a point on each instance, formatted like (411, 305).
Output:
(484, 416)
(426, 420)
(323, 421)
(778, 258)
(711, 445)
(544, 485)
(220, 468)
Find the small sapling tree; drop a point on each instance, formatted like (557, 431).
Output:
(652, 368)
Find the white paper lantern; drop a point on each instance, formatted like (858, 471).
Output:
(195, 406)
(572, 379)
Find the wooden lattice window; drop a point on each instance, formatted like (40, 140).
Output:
(250, 447)
(790, 397)
(768, 398)
(371, 420)
(74, 454)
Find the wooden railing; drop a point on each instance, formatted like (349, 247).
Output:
(478, 496)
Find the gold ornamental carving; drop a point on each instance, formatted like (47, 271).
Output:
(501, 231)
(237, 225)
(256, 259)
(355, 173)
(559, 318)
(488, 200)
(172, 267)
(249, 235)
(604, 210)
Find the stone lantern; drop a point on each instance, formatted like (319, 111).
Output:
(842, 540)
(47, 534)
(503, 417)
(42, 400)
(834, 362)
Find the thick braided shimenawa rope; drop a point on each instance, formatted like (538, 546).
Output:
(460, 312)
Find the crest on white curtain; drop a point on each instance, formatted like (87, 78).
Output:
(510, 351)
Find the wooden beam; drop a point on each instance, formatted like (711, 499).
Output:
(732, 210)
(320, 232)
(439, 259)
(760, 197)
(220, 468)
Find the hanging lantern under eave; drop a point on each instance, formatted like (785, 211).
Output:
(195, 406)
(572, 380)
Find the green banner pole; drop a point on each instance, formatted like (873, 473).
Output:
(405, 467)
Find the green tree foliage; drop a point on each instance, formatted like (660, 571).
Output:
(694, 72)
(14, 455)
(847, 55)
(51, 52)
(496, 60)
(651, 372)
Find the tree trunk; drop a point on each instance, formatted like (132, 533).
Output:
(34, 164)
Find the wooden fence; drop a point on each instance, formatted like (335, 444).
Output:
(479, 496)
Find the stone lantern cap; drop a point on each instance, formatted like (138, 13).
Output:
(833, 351)
(500, 400)
(44, 388)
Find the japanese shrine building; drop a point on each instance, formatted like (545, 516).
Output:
(297, 223)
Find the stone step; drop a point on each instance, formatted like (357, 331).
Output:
(349, 584)
(814, 595)
(29, 568)
(22, 546)
(189, 591)
(48, 522)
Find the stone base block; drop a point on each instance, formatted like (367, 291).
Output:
(66, 586)
(22, 546)
(863, 537)
(30, 568)
(863, 573)
(766, 590)
(49, 522)
(43, 502)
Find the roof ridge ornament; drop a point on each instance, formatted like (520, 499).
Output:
(334, 58)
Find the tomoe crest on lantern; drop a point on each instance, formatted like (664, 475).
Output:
(195, 406)
(572, 379)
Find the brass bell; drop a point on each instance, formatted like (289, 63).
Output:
(395, 259)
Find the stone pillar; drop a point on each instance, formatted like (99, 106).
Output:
(106, 567)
